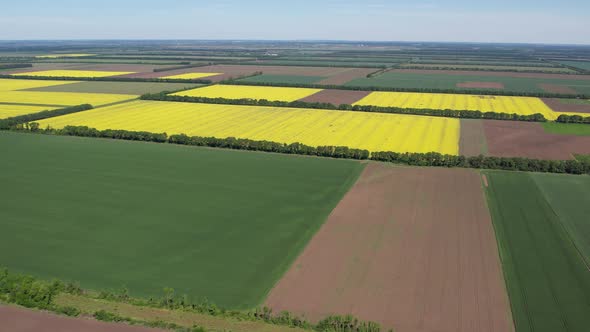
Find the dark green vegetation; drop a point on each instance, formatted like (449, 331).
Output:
(547, 280)
(584, 65)
(414, 159)
(447, 81)
(322, 63)
(466, 114)
(563, 118)
(292, 79)
(209, 223)
(569, 197)
(131, 88)
(15, 65)
(24, 120)
(583, 157)
(180, 314)
(579, 129)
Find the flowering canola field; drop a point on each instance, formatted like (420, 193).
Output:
(74, 73)
(249, 92)
(371, 131)
(16, 84)
(192, 76)
(8, 111)
(499, 104)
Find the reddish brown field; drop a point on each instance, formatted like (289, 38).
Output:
(492, 73)
(481, 85)
(410, 248)
(523, 139)
(472, 141)
(557, 88)
(13, 319)
(558, 106)
(336, 97)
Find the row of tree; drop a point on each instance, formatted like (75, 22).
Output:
(466, 114)
(499, 69)
(433, 159)
(424, 90)
(186, 66)
(107, 79)
(23, 120)
(564, 118)
(15, 65)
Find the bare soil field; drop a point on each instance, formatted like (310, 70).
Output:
(410, 248)
(472, 141)
(481, 85)
(234, 71)
(336, 97)
(558, 106)
(493, 73)
(523, 139)
(13, 319)
(557, 88)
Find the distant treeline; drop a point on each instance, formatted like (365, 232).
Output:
(573, 119)
(464, 114)
(9, 123)
(536, 71)
(423, 90)
(290, 64)
(107, 79)
(15, 65)
(433, 159)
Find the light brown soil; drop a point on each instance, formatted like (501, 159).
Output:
(234, 71)
(347, 76)
(523, 139)
(481, 85)
(492, 73)
(557, 106)
(472, 141)
(336, 97)
(553, 88)
(13, 319)
(411, 248)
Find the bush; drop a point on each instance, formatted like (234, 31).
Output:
(68, 311)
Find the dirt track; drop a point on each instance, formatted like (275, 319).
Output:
(523, 139)
(13, 319)
(558, 106)
(336, 97)
(411, 248)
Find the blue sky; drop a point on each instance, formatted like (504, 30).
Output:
(449, 20)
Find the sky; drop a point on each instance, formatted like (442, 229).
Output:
(504, 21)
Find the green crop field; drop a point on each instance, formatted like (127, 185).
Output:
(569, 197)
(447, 81)
(131, 88)
(579, 129)
(547, 280)
(578, 64)
(292, 79)
(211, 223)
(517, 68)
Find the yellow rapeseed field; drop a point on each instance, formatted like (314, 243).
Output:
(69, 55)
(371, 131)
(16, 84)
(192, 76)
(499, 104)
(74, 73)
(249, 92)
(7, 111)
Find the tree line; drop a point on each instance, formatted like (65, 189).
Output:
(432, 159)
(15, 65)
(186, 66)
(15, 121)
(536, 71)
(465, 114)
(564, 118)
(423, 90)
(107, 79)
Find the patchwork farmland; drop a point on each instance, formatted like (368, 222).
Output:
(294, 186)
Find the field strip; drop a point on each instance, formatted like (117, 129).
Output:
(25, 104)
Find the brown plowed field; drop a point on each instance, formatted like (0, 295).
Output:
(558, 106)
(336, 97)
(411, 248)
(472, 141)
(552, 88)
(347, 76)
(523, 139)
(13, 319)
(481, 85)
(492, 73)
(233, 71)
